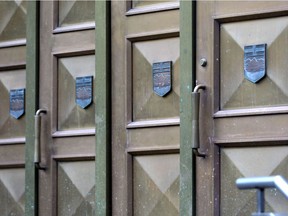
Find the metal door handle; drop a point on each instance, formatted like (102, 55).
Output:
(37, 141)
(195, 120)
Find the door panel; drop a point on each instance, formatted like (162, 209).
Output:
(12, 189)
(246, 162)
(71, 115)
(144, 3)
(156, 184)
(13, 19)
(75, 196)
(72, 12)
(12, 56)
(68, 130)
(145, 102)
(239, 93)
(12, 109)
(243, 124)
(145, 126)
(11, 127)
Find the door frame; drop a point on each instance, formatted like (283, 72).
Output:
(32, 95)
(102, 94)
(188, 72)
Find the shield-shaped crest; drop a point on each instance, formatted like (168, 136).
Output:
(84, 91)
(255, 62)
(162, 77)
(17, 103)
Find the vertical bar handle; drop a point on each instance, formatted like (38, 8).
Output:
(195, 120)
(37, 142)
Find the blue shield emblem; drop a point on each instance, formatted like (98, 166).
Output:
(255, 62)
(84, 91)
(17, 103)
(162, 77)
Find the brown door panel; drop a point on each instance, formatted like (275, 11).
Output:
(240, 120)
(145, 126)
(67, 75)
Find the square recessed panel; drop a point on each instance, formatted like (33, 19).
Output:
(156, 185)
(9, 126)
(147, 104)
(251, 162)
(70, 115)
(76, 12)
(12, 20)
(12, 191)
(76, 188)
(236, 92)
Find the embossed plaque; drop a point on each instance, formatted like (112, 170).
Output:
(84, 91)
(255, 62)
(17, 103)
(162, 77)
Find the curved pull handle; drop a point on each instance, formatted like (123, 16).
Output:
(195, 120)
(37, 142)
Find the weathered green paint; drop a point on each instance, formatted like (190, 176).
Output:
(102, 108)
(32, 48)
(187, 65)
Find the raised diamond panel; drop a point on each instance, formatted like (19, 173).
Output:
(9, 126)
(12, 187)
(12, 20)
(70, 115)
(146, 103)
(156, 185)
(76, 188)
(235, 91)
(251, 162)
(76, 12)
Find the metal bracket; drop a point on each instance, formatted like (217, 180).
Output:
(195, 120)
(261, 183)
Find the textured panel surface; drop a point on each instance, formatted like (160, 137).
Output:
(156, 185)
(9, 126)
(12, 186)
(76, 12)
(237, 92)
(12, 20)
(70, 115)
(251, 162)
(76, 188)
(146, 103)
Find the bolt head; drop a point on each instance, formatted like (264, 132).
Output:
(203, 62)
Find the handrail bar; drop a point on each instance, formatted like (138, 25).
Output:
(264, 182)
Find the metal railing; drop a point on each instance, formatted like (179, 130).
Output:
(261, 183)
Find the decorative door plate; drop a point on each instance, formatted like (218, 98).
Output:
(255, 62)
(17, 103)
(162, 77)
(84, 91)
